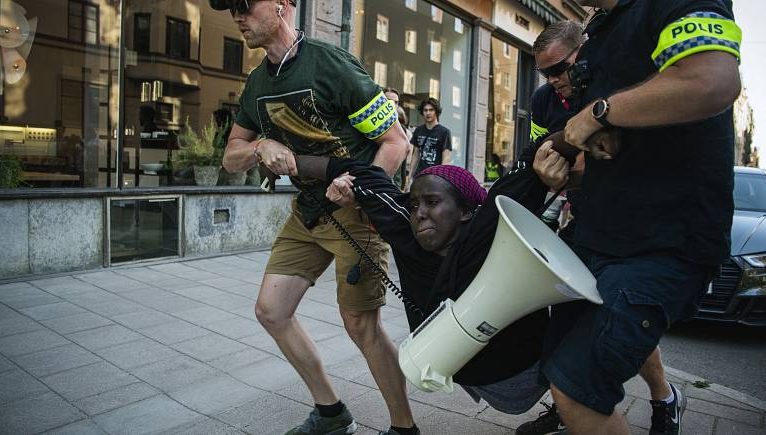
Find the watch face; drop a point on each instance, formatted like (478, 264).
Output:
(599, 108)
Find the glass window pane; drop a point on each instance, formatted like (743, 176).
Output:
(381, 71)
(501, 124)
(143, 228)
(411, 41)
(382, 28)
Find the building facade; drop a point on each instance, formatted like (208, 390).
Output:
(93, 94)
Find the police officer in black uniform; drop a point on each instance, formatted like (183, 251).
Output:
(655, 220)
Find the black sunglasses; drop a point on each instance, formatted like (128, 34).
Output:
(559, 67)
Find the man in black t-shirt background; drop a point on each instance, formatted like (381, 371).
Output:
(432, 141)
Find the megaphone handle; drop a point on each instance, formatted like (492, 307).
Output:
(363, 254)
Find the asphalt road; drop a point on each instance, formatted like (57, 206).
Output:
(729, 355)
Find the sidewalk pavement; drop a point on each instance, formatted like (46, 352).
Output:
(175, 348)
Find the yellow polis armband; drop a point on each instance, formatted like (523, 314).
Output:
(696, 32)
(537, 131)
(375, 118)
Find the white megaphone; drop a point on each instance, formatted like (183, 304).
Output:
(528, 268)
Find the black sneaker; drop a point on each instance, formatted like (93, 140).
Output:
(666, 417)
(548, 422)
(318, 425)
(392, 431)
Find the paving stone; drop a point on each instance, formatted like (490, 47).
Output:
(76, 322)
(234, 328)
(116, 398)
(729, 427)
(347, 390)
(162, 301)
(370, 410)
(206, 426)
(223, 283)
(697, 424)
(320, 311)
(271, 374)
(174, 373)
(15, 385)
(216, 394)
(512, 421)
(442, 422)
(337, 349)
(153, 415)
(28, 342)
(52, 311)
(640, 413)
(205, 315)
(143, 274)
(458, 401)
(261, 341)
(231, 362)
(58, 359)
(88, 380)
(739, 415)
(199, 293)
(123, 285)
(109, 309)
(711, 396)
(174, 332)
(319, 330)
(31, 299)
(209, 347)
(105, 336)
(269, 414)
(16, 324)
(174, 283)
(6, 364)
(82, 427)
(136, 353)
(230, 302)
(37, 414)
(68, 287)
(94, 297)
(143, 319)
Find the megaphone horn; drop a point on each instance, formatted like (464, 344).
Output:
(528, 268)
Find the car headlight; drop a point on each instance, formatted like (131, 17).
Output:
(756, 260)
(753, 272)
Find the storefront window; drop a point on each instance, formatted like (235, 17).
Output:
(425, 55)
(60, 102)
(510, 88)
(501, 125)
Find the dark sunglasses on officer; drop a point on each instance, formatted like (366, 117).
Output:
(559, 67)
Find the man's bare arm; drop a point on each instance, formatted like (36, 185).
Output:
(694, 88)
(240, 155)
(392, 150)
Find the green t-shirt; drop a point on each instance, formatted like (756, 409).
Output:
(323, 103)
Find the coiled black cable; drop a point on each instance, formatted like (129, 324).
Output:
(363, 254)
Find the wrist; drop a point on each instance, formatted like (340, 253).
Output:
(256, 148)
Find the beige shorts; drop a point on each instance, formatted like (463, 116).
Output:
(298, 251)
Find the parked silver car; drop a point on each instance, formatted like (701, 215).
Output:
(738, 293)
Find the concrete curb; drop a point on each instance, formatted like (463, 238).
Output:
(732, 394)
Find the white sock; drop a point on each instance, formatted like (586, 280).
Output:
(672, 396)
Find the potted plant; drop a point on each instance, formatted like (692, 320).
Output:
(10, 172)
(199, 152)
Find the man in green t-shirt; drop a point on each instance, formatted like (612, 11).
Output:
(311, 98)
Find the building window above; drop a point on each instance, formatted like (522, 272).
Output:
(455, 96)
(83, 22)
(142, 33)
(411, 4)
(178, 39)
(381, 71)
(436, 14)
(433, 88)
(457, 60)
(506, 49)
(458, 25)
(506, 79)
(409, 82)
(382, 28)
(232, 56)
(411, 41)
(436, 51)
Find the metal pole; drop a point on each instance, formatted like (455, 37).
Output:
(121, 97)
